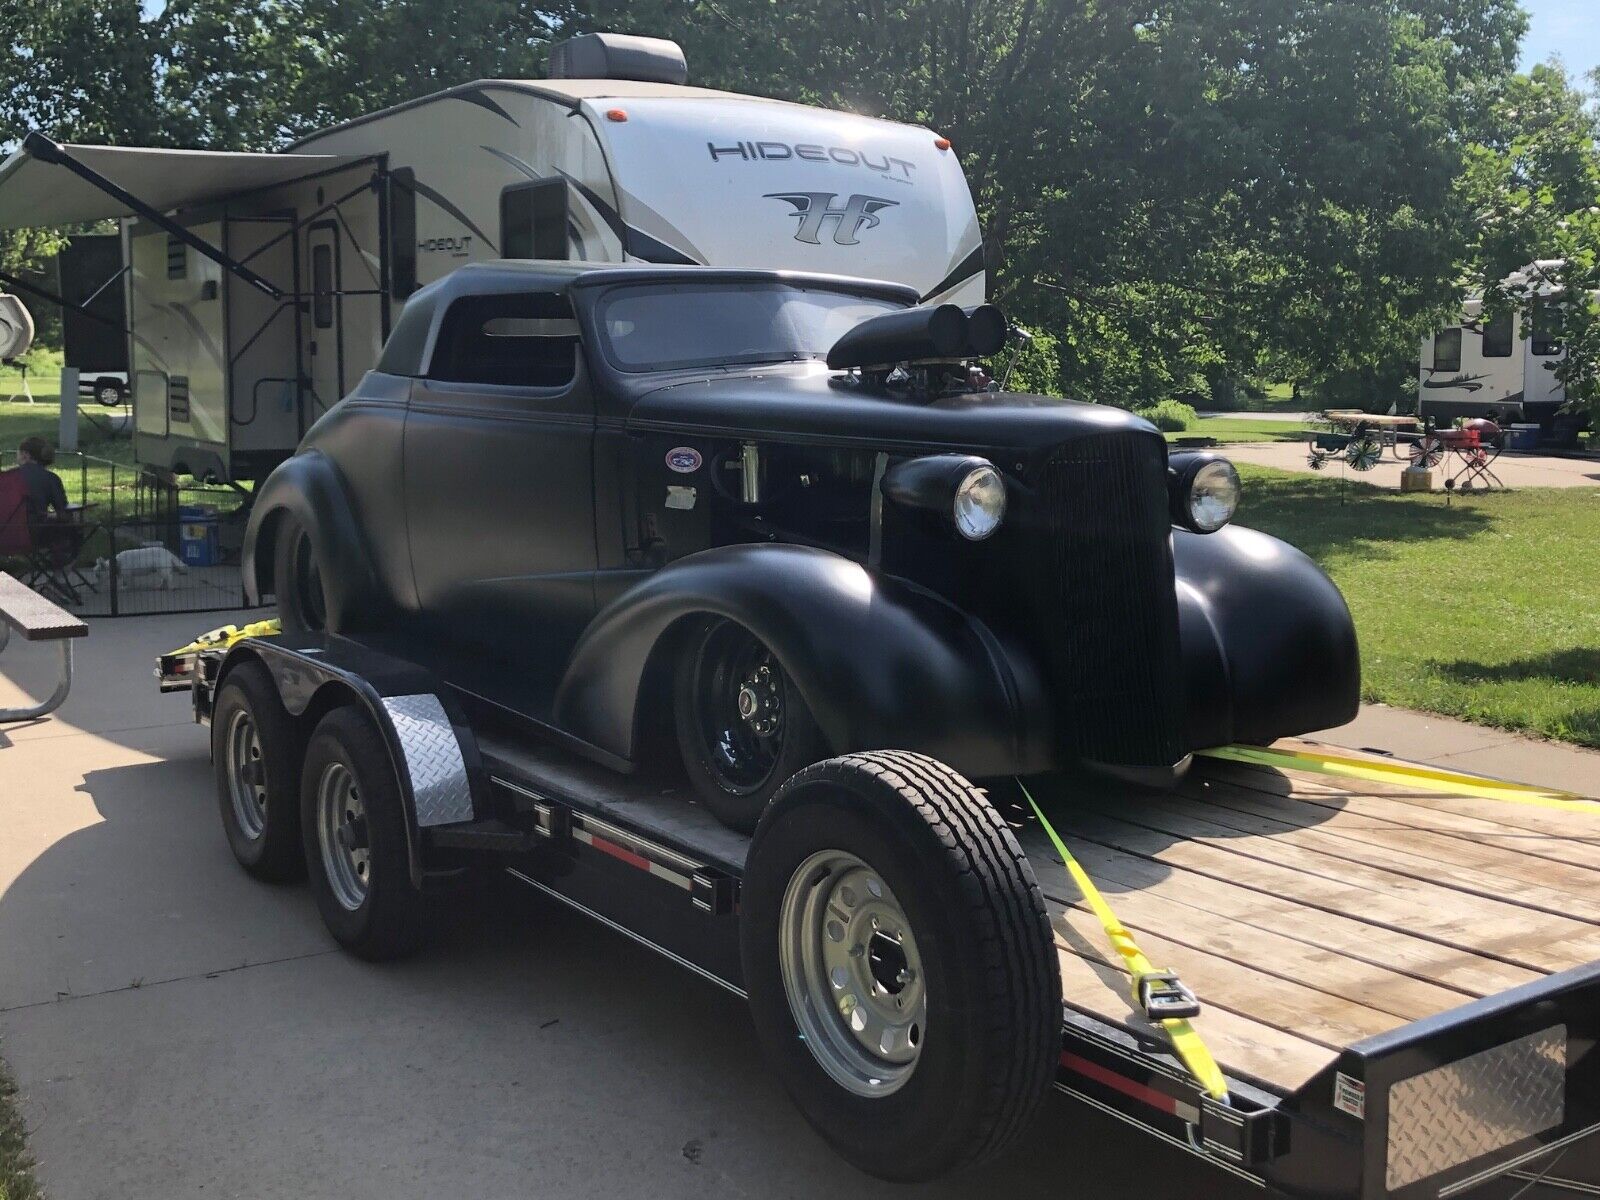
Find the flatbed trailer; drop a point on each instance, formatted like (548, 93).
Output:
(1400, 985)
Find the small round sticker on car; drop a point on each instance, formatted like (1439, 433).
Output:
(685, 460)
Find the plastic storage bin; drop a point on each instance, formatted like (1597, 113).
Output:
(199, 540)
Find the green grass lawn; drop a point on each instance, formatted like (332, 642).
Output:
(1242, 429)
(1483, 609)
(16, 1168)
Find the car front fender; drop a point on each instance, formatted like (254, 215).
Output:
(1269, 647)
(309, 490)
(881, 664)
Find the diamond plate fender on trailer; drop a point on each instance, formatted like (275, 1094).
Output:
(435, 755)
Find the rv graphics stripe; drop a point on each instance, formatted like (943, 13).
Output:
(482, 100)
(423, 189)
(635, 241)
(959, 274)
(513, 161)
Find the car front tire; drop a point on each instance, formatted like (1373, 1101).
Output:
(743, 728)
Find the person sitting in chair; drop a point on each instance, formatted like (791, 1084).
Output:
(47, 497)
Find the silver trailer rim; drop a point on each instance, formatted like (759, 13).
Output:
(247, 788)
(852, 973)
(342, 835)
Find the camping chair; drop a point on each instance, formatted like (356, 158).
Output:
(44, 560)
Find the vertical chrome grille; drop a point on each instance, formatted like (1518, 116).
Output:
(1114, 651)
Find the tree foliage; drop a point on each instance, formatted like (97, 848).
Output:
(1176, 193)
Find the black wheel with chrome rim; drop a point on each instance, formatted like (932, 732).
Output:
(743, 727)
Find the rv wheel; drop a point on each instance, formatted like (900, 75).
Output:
(353, 826)
(297, 580)
(256, 751)
(902, 972)
(742, 725)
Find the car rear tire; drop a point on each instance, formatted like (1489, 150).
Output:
(297, 580)
(881, 883)
(743, 727)
(353, 826)
(256, 751)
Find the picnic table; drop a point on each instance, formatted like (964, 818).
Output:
(38, 620)
(1360, 438)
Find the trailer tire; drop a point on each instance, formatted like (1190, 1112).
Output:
(845, 851)
(256, 753)
(353, 825)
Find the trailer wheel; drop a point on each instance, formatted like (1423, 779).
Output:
(353, 826)
(297, 580)
(900, 964)
(743, 727)
(256, 752)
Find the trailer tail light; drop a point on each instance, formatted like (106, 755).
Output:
(617, 114)
(1476, 1105)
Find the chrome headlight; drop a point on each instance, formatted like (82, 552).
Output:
(1205, 491)
(962, 489)
(980, 503)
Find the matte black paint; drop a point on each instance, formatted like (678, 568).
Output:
(523, 543)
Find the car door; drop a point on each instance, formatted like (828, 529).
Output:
(498, 491)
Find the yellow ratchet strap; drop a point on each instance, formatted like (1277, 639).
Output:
(1153, 989)
(221, 639)
(1412, 774)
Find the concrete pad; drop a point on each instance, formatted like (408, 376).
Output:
(1515, 470)
(1456, 745)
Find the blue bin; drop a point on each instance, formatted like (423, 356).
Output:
(199, 539)
(1522, 437)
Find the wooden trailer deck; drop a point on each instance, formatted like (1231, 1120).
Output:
(1308, 912)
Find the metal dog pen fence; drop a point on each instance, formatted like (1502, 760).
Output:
(136, 542)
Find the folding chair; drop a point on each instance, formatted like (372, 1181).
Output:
(44, 560)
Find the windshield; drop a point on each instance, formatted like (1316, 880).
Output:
(661, 327)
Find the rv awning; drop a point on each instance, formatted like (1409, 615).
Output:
(38, 189)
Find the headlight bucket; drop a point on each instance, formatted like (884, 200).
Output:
(1204, 491)
(963, 491)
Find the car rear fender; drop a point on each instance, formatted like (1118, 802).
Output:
(309, 490)
(880, 663)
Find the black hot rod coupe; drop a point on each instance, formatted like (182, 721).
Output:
(774, 517)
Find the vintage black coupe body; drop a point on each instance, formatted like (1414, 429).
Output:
(635, 505)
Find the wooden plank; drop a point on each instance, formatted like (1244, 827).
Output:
(1466, 865)
(1245, 1049)
(1573, 847)
(1190, 935)
(1527, 817)
(1400, 952)
(34, 617)
(1534, 940)
(1221, 979)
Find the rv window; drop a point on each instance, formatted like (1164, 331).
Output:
(517, 340)
(1498, 336)
(322, 286)
(1546, 330)
(1447, 350)
(402, 233)
(533, 220)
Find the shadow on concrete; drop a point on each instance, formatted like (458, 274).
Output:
(165, 1002)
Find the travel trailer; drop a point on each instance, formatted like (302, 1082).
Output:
(262, 286)
(1502, 368)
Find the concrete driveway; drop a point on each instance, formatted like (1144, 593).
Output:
(178, 1030)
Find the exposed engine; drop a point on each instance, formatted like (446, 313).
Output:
(922, 353)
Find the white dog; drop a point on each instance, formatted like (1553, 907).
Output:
(156, 561)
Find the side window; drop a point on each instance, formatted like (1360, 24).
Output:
(1546, 336)
(518, 340)
(1447, 350)
(1498, 336)
(322, 286)
(533, 220)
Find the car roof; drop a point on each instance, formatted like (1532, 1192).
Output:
(411, 341)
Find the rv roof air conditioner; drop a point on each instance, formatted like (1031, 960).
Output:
(619, 56)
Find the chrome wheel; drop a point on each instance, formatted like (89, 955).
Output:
(852, 973)
(342, 835)
(246, 774)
